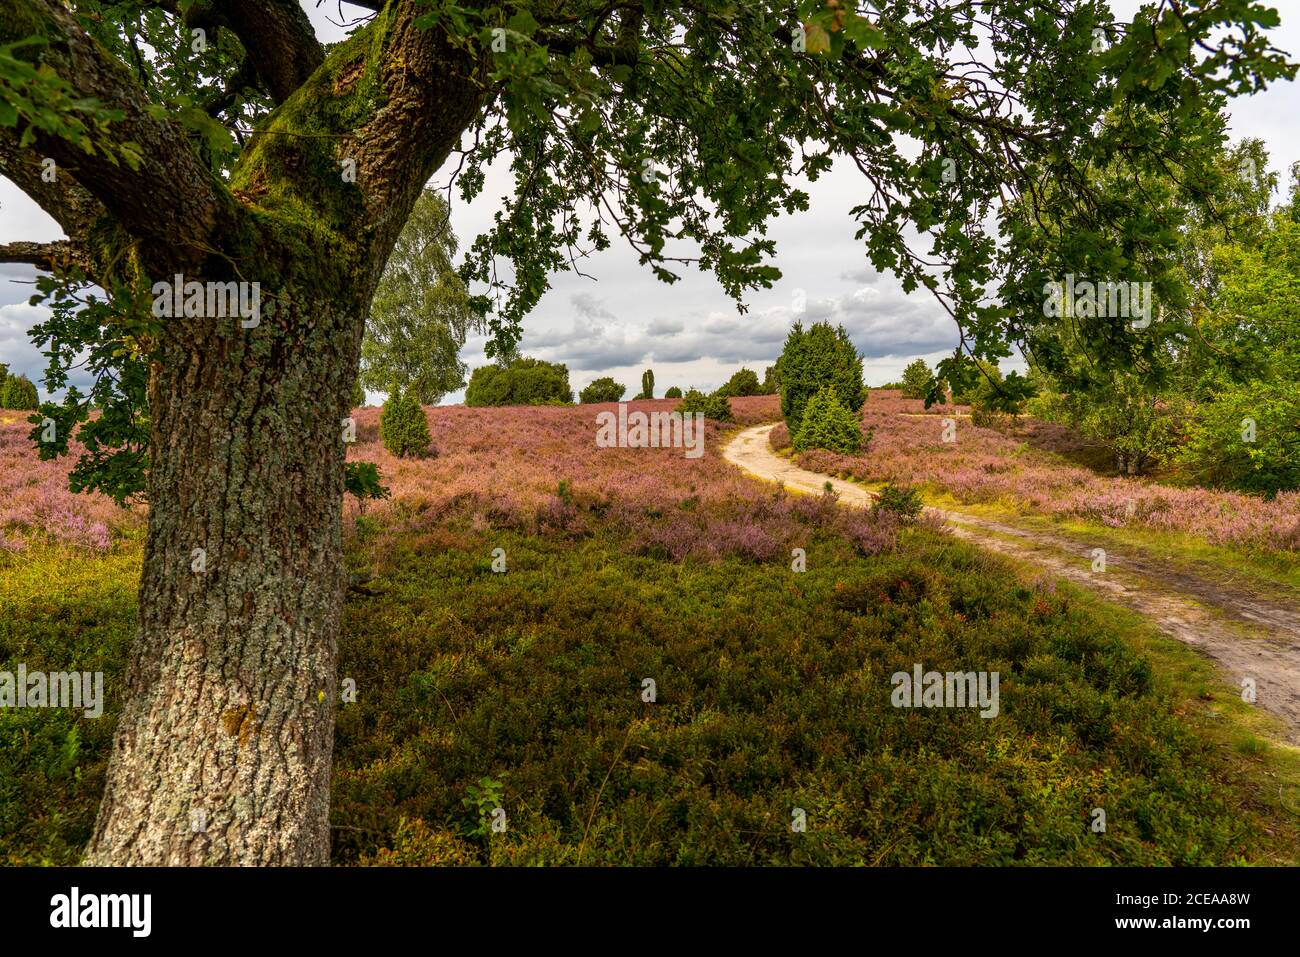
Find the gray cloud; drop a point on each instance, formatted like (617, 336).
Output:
(664, 327)
(17, 279)
(17, 350)
(599, 356)
(590, 307)
(863, 275)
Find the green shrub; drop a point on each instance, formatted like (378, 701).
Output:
(815, 358)
(18, 392)
(604, 389)
(1244, 430)
(982, 385)
(647, 385)
(744, 382)
(827, 424)
(523, 381)
(1248, 438)
(673, 393)
(772, 379)
(903, 500)
(714, 406)
(984, 392)
(750, 715)
(403, 426)
(361, 479)
(415, 844)
(996, 400)
(1089, 701)
(916, 380)
(984, 400)
(1139, 425)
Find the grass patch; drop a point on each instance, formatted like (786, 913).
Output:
(60, 610)
(524, 690)
(1217, 563)
(773, 693)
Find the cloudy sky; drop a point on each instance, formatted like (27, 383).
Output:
(622, 320)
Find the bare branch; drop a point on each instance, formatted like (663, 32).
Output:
(279, 38)
(46, 256)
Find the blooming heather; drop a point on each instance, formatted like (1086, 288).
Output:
(502, 467)
(513, 458)
(36, 505)
(1031, 468)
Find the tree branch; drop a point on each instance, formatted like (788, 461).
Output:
(433, 89)
(601, 55)
(70, 205)
(242, 79)
(172, 202)
(279, 39)
(46, 256)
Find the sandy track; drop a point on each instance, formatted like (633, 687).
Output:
(1247, 635)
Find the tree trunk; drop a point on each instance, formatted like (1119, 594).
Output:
(222, 754)
(223, 750)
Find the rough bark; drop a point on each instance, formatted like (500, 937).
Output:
(223, 748)
(222, 752)
(71, 206)
(279, 39)
(47, 256)
(173, 204)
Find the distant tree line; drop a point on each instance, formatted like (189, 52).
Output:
(1211, 391)
(520, 381)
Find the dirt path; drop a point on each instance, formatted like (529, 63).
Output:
(1248, 636)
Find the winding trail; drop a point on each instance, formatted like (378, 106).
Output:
(1247, 635)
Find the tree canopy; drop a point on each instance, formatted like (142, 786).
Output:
(420, 314)
(646, 116)
(604, 389)
(815, 358)
(743, 382)
(523, 381)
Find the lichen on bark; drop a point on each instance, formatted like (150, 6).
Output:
(222, 701)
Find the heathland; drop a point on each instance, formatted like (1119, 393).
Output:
(524, 689)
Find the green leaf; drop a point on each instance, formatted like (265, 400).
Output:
(522, 22)
(817, 38)
(863, 33)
